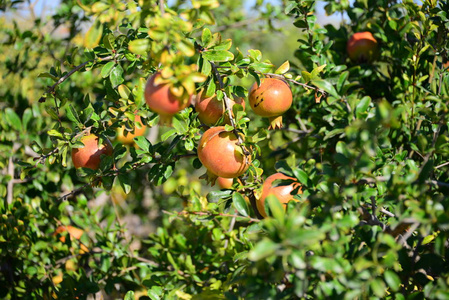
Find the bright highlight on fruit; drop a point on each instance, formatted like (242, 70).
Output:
(271, 99)
(89, 156)
(362, 47)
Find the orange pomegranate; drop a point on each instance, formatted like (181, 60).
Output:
(129, 138)
(281, 192)
(210, 109)
(89, 156)
(362, 47)
(161, 100)
(225, 183)
(219, 151)
(271, 99)
(74, 233)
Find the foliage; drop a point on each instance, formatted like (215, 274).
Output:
(368, 143)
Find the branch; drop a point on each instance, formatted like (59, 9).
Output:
(211, 214)
(51, 89)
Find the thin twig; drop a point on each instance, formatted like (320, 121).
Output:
(211, 214)
(442, 165)
(52, 88)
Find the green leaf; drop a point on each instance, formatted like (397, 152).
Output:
(326, 86)
(179, 124)
(73, 116)
(301, 175)
(93, 35)
(106, 70)
(48, 75)
(124, 182)
(108, 41)
(27, 115)
(393, 280)
(116, 76)
(206, 36)
(256, 55)
(13, 119)
(378, 287)
(140, 46)
(218, 55)
(155, 293)
(124, 91)
(283, 68)
(55, 133)
(262, 67)
(362, 106)
(130, 296)
(276, 207)
(263, 249)
(240, 204)
(144, 144)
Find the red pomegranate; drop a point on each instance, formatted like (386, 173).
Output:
(220, 153)
(362, 47)
(160, 99)
(89, 156)
(225, 183)
(210, 109)
(282, 192)
(271, 99)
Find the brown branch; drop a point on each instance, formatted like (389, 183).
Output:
(51, 89)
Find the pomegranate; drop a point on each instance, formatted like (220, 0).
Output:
(160, 99)
(219, 152)
(225, 183)
(282, 192)
(129, 138)
(362, 47)
(74, 233)
(271, 99)
(90, 155)
(210, 109)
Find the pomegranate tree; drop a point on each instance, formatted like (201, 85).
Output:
(281, 192)
(89, 156)
(271, 99)
(161, 100)
(219, 151)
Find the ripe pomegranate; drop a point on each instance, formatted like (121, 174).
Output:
(225, 183)
(282, 192)
(160, 99)
(271, 99)
(74, 233)
(210, 109)
(362, 47)
(89, 156)
(220, 153)
(129, 138)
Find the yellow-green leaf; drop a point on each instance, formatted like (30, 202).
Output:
(93, 35)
